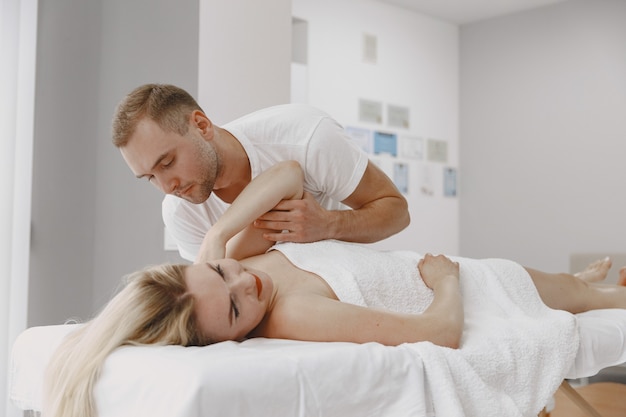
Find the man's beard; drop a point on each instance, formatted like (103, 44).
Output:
(210, 174)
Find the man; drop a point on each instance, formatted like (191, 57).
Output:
(165, 137)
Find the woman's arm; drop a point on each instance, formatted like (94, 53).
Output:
(317, 318)
(378, 211)
(233, 235)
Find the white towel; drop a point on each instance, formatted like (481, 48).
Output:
(515, 351)
(362, 276)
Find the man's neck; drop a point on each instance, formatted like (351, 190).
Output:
(235, 172)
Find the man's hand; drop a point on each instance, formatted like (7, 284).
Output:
(301, 221)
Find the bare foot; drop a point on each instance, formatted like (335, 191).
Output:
(622, 277)
(597, 271)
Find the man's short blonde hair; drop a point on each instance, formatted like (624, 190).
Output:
(169, 106)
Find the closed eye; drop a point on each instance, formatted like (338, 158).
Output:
(233, 307)
(217, 268)
(168, 164)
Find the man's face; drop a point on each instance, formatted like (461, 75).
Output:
(185, 166)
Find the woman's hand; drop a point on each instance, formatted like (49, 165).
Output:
(442, 276)
(437, 268)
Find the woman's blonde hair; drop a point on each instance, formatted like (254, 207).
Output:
(169, 106)
(153, 308)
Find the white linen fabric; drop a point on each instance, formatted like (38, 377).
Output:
(257, 377)
(270, 377)
(333, 165)
(602, 342)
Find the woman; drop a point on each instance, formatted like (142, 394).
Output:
(261, 293)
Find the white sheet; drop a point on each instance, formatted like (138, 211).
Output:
(258, 377)
(602, 342)
(264, 377)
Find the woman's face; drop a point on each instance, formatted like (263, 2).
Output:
(230, 299)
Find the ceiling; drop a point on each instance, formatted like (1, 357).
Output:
(467, 11)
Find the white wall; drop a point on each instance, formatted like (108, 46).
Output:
(543, 128)
(18, 40)
(244, 56)
(64, 155)
(142, 41)
(92, 221)
(417, 68)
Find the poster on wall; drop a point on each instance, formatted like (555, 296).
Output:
(427, 187)
(398, 116)
(385, 143)
(401, 176)
(437, 150)
(362, 137)
(449, 182)
(411, 147)
(370, 111)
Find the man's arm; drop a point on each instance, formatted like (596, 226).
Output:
(232, 235)
(379, 211)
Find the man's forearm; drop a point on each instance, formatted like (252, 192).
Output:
(373, 222)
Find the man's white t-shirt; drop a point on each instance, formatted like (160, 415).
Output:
(333, 166)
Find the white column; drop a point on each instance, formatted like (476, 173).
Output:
(18, 31)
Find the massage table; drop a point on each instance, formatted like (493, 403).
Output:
(514, 355)
(273, 377)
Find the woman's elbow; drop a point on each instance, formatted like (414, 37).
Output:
(292, 171)
(453, 342)
(451, 334)
(450, 340)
